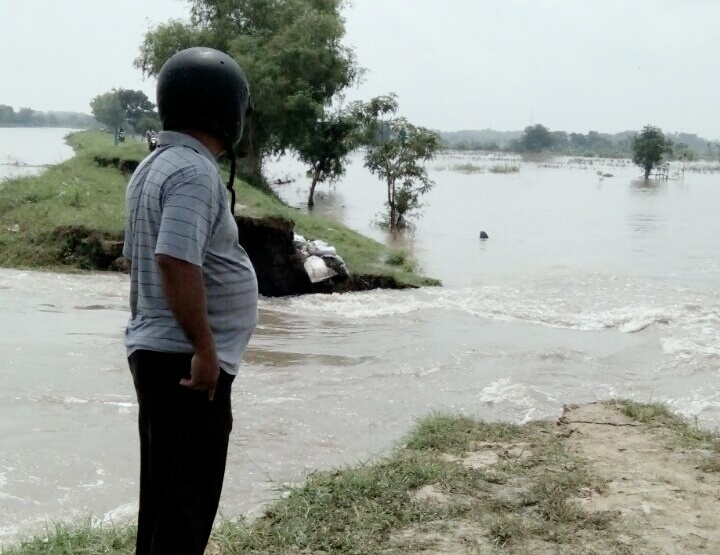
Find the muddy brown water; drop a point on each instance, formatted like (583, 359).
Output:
(586, 289)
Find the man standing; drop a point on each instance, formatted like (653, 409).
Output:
(193, 300)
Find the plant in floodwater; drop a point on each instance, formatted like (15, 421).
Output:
(468, 167)
(649, 148)
(396, 152)
(504, 168)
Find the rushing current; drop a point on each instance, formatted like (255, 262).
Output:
(588, 288)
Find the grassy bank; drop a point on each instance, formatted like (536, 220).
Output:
(89, 190)
(458, 485)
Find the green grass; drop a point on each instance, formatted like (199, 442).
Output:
(82, 538)
(677, 430)
(520, 504)
(659, 416)
(81, 192)
(452, 434)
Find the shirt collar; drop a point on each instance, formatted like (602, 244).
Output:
(176, 138)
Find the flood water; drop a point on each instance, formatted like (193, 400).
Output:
(587, 289)
(24, 150)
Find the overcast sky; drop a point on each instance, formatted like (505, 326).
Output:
(575, 65)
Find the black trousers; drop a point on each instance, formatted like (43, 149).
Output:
(183, 449)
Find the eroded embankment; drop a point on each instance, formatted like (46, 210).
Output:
(606, 478)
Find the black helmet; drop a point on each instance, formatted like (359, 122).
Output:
(203, 88)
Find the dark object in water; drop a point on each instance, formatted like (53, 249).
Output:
(484, 235)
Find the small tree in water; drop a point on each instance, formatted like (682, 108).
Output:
(326, 145)
(649, 147)
(396, 152)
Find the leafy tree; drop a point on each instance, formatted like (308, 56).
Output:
(108, 110)
(536, 138)
(26, 117)
(649, 147)
(396, 150)
(147, 122)
(559, 141)
(682, 151)
(136, 106)
(293, 72)
(325, 147)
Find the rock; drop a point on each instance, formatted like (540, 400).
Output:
(484, 235)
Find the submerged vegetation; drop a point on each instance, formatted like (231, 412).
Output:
(538, 138)
(455, 485)
(504, 168)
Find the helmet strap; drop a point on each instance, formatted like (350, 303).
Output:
(231, 181)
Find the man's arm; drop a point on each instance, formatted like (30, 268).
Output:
(184, 289)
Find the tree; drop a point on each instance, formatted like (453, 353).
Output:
(536, 138)
(108, 110)
(649, 147)
(148, 122)
(136, 106)
(559, 141)
(293, 73)
(325, 147)
(682, 151)
(396, 150)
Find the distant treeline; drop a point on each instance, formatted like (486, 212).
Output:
(27, 117)
(538, 138)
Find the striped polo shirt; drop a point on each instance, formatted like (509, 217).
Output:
(177, 206)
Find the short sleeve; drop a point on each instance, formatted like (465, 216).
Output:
(189, 210)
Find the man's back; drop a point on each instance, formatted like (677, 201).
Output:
(177, 206)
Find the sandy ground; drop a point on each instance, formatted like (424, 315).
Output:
(659, 490)
(662, 498)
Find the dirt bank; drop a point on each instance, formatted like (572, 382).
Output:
(610, 478)
(664, 487)
(613, 478)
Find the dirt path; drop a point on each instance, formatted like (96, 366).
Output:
(657, 489)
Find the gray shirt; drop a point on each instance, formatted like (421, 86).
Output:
(177, 205)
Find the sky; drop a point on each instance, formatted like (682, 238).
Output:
(573, 65)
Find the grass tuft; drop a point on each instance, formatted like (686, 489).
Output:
(453, 434)
(659, 415)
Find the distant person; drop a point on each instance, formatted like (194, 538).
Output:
(193, 300)
(152, 140)
(121, 135)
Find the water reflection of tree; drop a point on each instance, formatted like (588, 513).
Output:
(648, 187)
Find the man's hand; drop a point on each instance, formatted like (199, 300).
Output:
(184, 289)
(204, 372)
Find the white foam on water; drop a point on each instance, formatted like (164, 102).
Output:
(117, 515)
(520, 396)
(74, 401)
